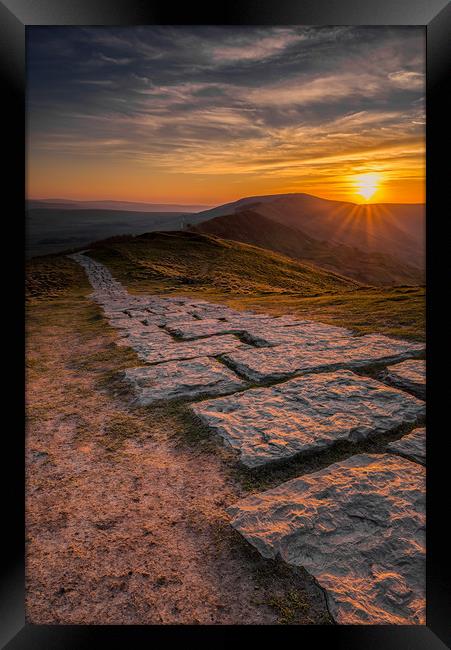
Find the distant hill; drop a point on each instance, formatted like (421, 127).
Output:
(251, 227)
(185, 260)
(129, 206)
(389, 228)
(58, 229)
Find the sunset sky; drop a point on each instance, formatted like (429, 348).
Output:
(212, 114)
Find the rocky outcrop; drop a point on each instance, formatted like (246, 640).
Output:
(358, 527)
(307, 414)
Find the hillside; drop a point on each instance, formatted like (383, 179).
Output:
(394, 229)
(239, 275)
(50, 230)
(251, 227)
(177, 260)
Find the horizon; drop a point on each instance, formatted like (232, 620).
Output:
(203, 115)
(215, 205)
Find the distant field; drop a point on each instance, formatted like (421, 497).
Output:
(54, 230)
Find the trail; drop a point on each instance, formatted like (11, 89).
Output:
(130, 499)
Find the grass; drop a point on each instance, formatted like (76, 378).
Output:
(187, 261)
(92, 352)
(245, 278)
(50, 276)
(395, 311)
(120, 428)
(236, 275)
(241, 276)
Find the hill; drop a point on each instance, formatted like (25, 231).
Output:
(50, 230)
(251, 227)
(389, 228)
(241, 276)
(129, 206)
(183, 260)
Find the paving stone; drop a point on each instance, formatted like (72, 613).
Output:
(358, 527)
(410, 375)
(181, 380)
(311, 356)
(277, 332)
(411, 446)
(211, 310)
(307, 414)
(209, 347)
(202, 328)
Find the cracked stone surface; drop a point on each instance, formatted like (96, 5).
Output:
(411, 446)
(358, 527)
(307, 414)
(314, 354)
(202, 328)
(187, 379)
(209, 347)
(410, 375)
(302, 333)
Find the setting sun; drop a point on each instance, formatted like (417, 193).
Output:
(367, 184)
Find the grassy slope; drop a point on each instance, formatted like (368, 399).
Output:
(181, 260)
(240, 277)
(250, 227)
(124, 550)
(157, 264)
(81, 422)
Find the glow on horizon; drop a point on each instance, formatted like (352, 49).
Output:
(208, 115)
(367, 184)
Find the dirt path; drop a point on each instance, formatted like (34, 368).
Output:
(126, 518)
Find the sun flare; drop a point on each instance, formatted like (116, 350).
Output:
(367, 184)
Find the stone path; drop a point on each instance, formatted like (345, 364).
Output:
(312, 355)
(410, 375)
(411, 446)
(307, 414)
(357, 525)
(181, 380)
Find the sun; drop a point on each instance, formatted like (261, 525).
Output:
(367, 184)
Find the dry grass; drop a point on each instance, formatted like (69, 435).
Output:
(238, 275)
(126, 509)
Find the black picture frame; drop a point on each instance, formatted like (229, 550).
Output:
(435, 16)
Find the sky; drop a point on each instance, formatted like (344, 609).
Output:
(212, 114)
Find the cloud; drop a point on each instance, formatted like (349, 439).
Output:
(408, 80)
(247, 101)
(257, 48)
(115, 60)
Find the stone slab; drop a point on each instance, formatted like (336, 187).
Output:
(274, 333)
(208, 347)
(312, 356)
(307, 414)
(176, 380)
(202, 328)
(411, 446)
(358, 527)
(410, 375)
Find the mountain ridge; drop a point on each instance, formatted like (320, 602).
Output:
(396, 229)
